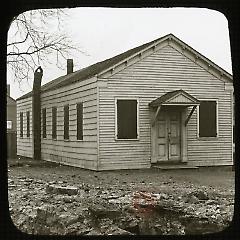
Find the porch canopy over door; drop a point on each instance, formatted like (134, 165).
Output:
(169, 126)
(175, 98)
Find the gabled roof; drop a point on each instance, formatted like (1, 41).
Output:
(10, 100)
(88, 72)
(102, 66)
(177, 97)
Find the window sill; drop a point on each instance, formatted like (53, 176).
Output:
(125, 139)
(207, 138)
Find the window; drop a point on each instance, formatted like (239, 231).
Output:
(21, 124)
(44, 132)
(208, 119)
(28, 123)
(54, 122)
(66, 122)
(79, 121)
(127, 119)
(9, 124)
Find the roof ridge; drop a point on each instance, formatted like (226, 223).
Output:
(98, 67)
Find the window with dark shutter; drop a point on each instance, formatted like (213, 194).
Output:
(44, 132)
(66, 122)
(54, 122)
(80, 121)
(127, 119)
(21, 124)
(28, 123)
(208, 119)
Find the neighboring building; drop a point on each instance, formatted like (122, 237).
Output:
(160, 102)
(234, 136)
(11, 125)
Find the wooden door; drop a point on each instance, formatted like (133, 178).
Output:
(174, 137)
(162, 137)
(168, 141)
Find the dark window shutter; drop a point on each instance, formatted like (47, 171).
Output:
(44, 132)
(126, 119)
(79, 121)
(66, 122)
(207, 119)
(54, 122)
(28, 123)
(21, 124)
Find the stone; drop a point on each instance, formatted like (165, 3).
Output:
(129, 209)
(118, 231)
(113, 196)
(44, 212)
(68, 199)
(68, 219)
(193, 199)
(160, 195)
(94, 232)
(99, 211)
(211, 202)
(57, 189)
(201, 195)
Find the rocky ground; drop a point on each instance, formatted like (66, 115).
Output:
(48, 198)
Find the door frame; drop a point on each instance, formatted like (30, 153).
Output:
(183, 138)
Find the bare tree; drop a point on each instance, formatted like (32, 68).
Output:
(37, 38)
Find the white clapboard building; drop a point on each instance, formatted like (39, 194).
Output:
(161, 102)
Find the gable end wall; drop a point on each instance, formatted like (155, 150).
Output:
(147, 79)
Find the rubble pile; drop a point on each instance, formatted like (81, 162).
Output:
(41, 207)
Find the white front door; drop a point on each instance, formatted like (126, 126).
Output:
(168, 137)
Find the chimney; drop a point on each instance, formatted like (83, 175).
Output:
(36, 113)
(8, 89)
(69, 66)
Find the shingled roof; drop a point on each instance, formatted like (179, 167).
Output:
(99, 67)
(90, 71)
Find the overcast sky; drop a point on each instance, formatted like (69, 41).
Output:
(105, 32)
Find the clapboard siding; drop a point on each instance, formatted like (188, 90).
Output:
(79, 161)
(151, 77)
(81, 153)
(219, 150)
(24, 144)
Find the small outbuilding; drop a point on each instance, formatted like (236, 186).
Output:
(161, 102)
(11, 125)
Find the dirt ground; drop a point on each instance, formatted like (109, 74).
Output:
(148, 201)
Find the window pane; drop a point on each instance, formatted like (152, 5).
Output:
(44, 123)
(54, 122)
(79, 121)
(126, 119)
(207, 119)
(66, 122)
